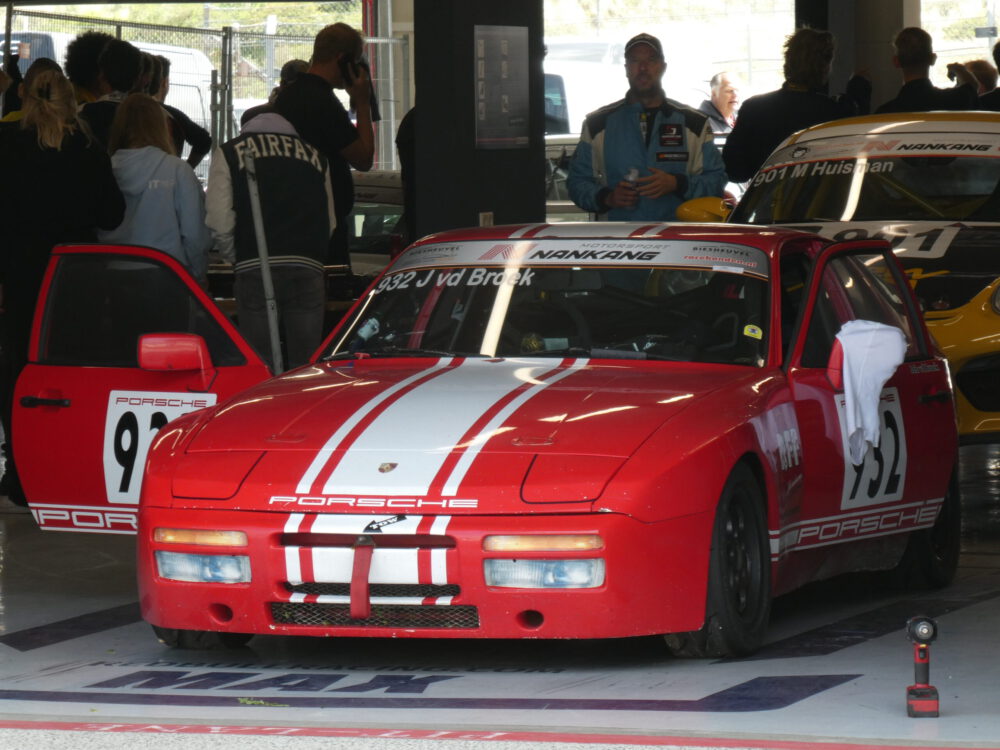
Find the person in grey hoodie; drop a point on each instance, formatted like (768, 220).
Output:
(164, 202)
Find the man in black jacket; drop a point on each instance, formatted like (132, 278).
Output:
(318, 116)
(914, 56)
(297, 212)
(767, 119)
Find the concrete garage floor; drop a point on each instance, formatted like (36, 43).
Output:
(79, 669)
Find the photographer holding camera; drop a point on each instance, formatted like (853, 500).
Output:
(317, 115)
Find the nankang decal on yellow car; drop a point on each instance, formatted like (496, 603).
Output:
(875, 146)
(132, 421)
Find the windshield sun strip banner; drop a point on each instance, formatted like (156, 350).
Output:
(604, 252)
(874, 147)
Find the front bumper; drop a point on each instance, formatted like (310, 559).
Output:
(430, 584)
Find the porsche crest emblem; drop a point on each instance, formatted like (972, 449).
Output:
(386, 467)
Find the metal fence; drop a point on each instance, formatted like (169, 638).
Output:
(215, 74)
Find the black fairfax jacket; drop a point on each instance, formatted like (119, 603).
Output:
(296, 199)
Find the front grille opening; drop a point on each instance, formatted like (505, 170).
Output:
(407, 541)
(382, 616)
(422, 590)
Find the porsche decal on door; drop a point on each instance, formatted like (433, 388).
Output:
(132, 421)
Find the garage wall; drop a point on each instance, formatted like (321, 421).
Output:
(455, 181)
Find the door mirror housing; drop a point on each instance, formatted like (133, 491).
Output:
(176, 352)
(835, 366)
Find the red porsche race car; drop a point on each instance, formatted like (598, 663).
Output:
(564, 431)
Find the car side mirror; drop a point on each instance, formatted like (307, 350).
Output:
(835, 366)
(176, 352)
(708, 209)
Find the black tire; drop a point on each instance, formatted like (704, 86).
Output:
(739, 576)
(200, 640)
(931, 557)
(10, 485)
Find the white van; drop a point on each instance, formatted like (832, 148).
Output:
(190, 79)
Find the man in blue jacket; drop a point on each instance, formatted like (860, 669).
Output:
(641, 157)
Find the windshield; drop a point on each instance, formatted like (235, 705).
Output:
(697, 311)
(869, 179)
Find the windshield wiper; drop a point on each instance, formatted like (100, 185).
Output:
(603, 353)
(394, 351)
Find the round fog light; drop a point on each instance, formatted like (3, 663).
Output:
(530, 619)
(221, 612)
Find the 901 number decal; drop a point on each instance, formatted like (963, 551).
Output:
(881, 477)
(132, 421)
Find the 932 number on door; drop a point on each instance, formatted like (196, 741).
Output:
(132, 421)
(881, 476)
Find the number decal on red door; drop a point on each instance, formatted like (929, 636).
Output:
(880, 478)
(132, 421)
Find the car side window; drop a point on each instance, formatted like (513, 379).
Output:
(856, 286)
(100, 304)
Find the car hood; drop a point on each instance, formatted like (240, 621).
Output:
(420, 428)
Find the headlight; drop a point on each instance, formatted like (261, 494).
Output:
(211, 537)
(181, 566)
(544, 574)
(541, 542)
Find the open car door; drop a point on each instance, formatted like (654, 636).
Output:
(87, 405)
(879, 495)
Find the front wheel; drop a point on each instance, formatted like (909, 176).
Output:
(200, 639)
(739, 576)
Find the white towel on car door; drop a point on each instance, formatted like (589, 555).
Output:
(872, 352)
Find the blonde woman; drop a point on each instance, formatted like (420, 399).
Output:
(57, 187)
(165, 204)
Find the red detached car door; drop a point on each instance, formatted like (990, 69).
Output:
(84, 410)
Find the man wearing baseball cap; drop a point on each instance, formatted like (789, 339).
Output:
(642, 156)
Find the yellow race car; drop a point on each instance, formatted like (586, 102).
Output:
(928, 182)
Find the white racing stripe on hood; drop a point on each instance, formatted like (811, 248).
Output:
(476, 444)
(419, 431)
(305, 484)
